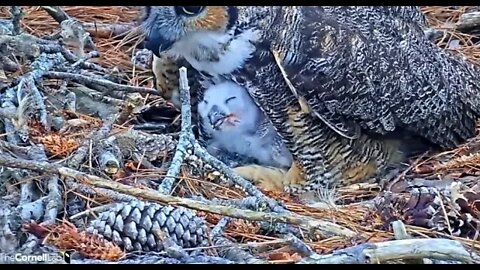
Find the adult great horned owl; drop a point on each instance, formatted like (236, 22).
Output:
(347, 88)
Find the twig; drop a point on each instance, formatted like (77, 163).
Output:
(59, 15)
(185, 134)
(324, 228)
(37, 98)
(106, 30)
(103, 192)
(77, 158)
(250, 202)
(81, 62)
(108, 162)
(54, 198)
(7, 112)
(253, 203)
(399, 230)
(28, 45)
(230, 250)
(42, 64)
(92, 210)
(15, 150)
(171, 248)
(109, 156)
(373, 253)
(90, 55)
(245, 184)
(10, 223)
(400, 233)
(17, 15)
(94, 94)
(151, 147)
(27, 187)
(8, 104)
(111, 86)
(33, 209)
(299, 246)
(7, 64)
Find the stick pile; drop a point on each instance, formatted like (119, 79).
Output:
(74, 82)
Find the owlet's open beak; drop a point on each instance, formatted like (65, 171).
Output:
(218, 118)
(157, 43)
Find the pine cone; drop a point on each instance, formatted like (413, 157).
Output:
(456, 211)
(139, 225)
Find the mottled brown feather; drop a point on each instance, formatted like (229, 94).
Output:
(215, 19)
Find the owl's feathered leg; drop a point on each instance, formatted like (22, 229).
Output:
(294, 176)
(165, 72)
(271, 178)
(266, 178)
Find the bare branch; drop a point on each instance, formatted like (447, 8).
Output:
(299, 246)
(467, 21)
(185, 134)
(111, 86)
(57, 13)
(105, 30)
(17, 15)
(323, 228)
(374, 253)
(229, 250)
(77, 158)
(60, 16)
(245, 184)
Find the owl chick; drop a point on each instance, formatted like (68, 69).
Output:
(232, 122)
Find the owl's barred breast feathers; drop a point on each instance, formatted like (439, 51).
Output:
(369, 71)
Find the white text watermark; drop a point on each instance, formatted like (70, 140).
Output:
(29, 258)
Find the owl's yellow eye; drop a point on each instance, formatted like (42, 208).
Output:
(189, 10)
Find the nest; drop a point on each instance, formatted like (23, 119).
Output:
(103, 161)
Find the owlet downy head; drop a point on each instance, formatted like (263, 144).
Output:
(228, 107)
(235, 124)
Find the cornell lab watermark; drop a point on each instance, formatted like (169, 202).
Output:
(29, 258)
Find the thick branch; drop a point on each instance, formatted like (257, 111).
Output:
(324, 228)
(374, 253)
(468, 21)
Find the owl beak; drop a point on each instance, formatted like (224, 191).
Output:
(216, 117)
(157, 43)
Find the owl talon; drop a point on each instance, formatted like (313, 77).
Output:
(294, 176)
(270, 178)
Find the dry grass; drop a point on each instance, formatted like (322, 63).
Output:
(443, 18)
(116, 53)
